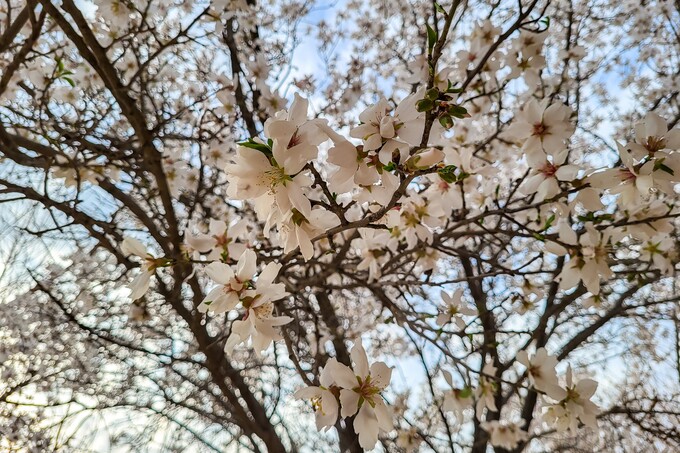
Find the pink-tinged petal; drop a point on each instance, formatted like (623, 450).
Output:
(306, 247)
(298, 199)
(381, 374)
(586, 388)
(533, 112)
(307, 393)
(269, 273)
(281, 130)
(362, 131)
(219, 272)
(387, 127)
(298, 110)
(532, 183)
(372, 142)
(555, 248)
(334, 136)
(217, 227)
(343, 155)
(246, 266)
(548, 189)
(655, 125)
(518, 130)
(626, 156)
(604, 179)
(213, 297)
(673, 139)
(644, 184)
(448, 378)
(253, 158)
(569, 277)
(567, 172)
(132, 246)
(342, 374)
(360, 359)
(328, 414)
(556, 114)
(590, 199)
(591, 279)
(140, 285)
(406, 110)
(201, 242)
(349, 402)
(523, 358)
(553, 144)
(327, 379)
(366, 425)
(280, 321)
(383, 414)
(224, 302)
(412, 131)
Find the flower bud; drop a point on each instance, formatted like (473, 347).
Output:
(426, 158)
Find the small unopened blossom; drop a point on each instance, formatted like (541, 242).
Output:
(426, 159)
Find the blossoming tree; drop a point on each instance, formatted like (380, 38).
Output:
(339, 226)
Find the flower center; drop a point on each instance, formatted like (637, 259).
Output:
(540, 129)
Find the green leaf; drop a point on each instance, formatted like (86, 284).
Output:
(549, 222)
(458, 111)
(424, 105)
(465, 392)
(431, 37)
(432, 94)
(250, 143)
(659, 165)
(446, 121)
(69, 81)
(448, 173)
(439, 8)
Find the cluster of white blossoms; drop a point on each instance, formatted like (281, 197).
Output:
(388, 191)
(278, 177)
(355, 391)
(256, 295)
